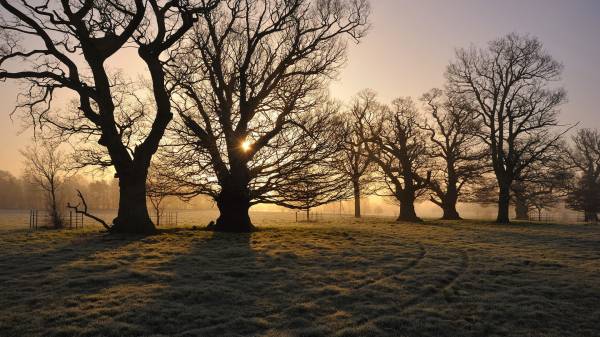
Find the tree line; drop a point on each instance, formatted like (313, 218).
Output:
(235, 107)
(24, 192)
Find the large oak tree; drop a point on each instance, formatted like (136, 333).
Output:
(66, 46)
(397, 144)
(247, 81)
(355, 161)
(510, 84)
(584, 155)
(457, 152)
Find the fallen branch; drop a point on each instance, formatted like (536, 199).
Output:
(85, 211)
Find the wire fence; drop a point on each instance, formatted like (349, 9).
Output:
(36, 219)
(166, 219)
(41, 218)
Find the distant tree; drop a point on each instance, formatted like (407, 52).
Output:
(245, 82)
(158, 187)
(543, 184)
(11, 191)
(584, 195)
(509, 84)
(355, 161)
(47, 167)
(66, 45)
(315, 186)
(398, 145)
(457, 151)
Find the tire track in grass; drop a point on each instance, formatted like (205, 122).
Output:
(416, 252)
(412, 264)
(443, 285)
(422, 253)
(427, 294)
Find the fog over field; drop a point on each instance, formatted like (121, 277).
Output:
(299, 168)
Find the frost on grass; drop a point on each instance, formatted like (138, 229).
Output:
(371, 278)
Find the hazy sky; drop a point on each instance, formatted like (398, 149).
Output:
(411, 42)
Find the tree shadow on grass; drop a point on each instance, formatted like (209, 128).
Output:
(217, 286)
(293, 282)
(46, 273)
(263, 284)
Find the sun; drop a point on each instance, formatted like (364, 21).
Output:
(246, 145)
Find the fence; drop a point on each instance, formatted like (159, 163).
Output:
(542, 218)
(166, 219)
(313, 216)
(78, 219)
(33, 219)
(37, 217)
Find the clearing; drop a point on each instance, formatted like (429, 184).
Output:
(372, 277)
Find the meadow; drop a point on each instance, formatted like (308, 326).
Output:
(335, 277)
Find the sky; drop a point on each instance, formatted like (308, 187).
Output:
(410, 44)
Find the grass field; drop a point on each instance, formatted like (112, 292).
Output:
(334, 278)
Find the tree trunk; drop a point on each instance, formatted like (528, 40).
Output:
(450, 212)
(449, 205)
(591, 217)
(133, 214)
(521, 209)
(234, 204)
(157, 217)
(407, 213)
(308, 215)
(356, 186)
(407, 209)
(54, 213)
(503, 203)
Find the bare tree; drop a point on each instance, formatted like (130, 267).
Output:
(12, 191)
(72, 42)
(509, 83)
(315, 186)
(584, 195)
(398, 145)
(355, 161)
(158, 187)
(456, 149)
(246, 82)
(305, 152)
(543, 184)
(47, 167)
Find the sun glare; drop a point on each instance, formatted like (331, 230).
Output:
(246, 146)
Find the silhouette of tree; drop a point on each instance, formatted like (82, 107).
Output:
(246, 81)
(158, 187)
(73, 41)
(356, 162)
(47, 168)
(457, 151)
(509, 84)
(584, 195)
(305, 152)
(397, 144)
(11, 191)
(543, 184)
(314, 186)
